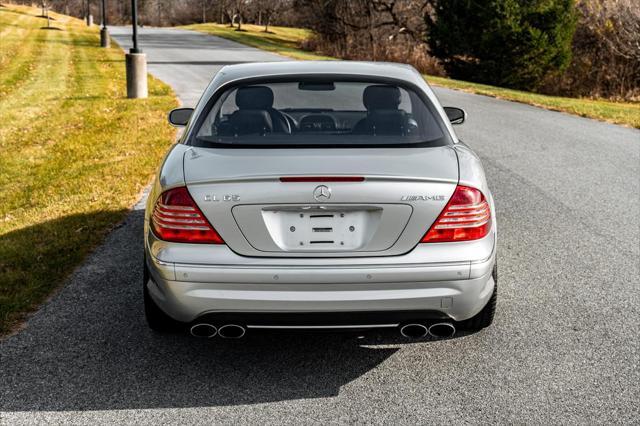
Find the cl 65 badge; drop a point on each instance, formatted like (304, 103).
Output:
(227, 197)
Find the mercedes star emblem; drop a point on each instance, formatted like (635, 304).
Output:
(322, 193)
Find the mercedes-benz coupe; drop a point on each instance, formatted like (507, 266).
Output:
(319, 195)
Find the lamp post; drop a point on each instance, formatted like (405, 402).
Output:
(104, 32)
(48, 17)
(89, 15)
(136, 61)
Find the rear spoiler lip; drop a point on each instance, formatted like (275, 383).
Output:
(277, 178)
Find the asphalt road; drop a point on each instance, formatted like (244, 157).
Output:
(564, 347)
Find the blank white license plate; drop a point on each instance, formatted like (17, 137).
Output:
(318, 230)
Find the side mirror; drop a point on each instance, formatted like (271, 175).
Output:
(456, 115)
(180, 116)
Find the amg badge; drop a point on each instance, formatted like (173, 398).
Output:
(422, 198)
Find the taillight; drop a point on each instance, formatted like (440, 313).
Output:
(177, 218)
(467, 216)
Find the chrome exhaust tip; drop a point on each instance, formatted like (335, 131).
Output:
(231, 331)
(203, 330)
(442, 330)
(414, 331)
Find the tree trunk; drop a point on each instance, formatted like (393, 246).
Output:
(372, 42)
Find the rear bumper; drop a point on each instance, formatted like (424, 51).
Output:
(455, 290)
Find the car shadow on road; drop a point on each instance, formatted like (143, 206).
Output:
(89, 349)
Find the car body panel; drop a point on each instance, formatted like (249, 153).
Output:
(446, 288)
(170, 253)
(235, 189)
(432, 164)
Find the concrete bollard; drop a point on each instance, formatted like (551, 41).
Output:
(136, 75)
(105, 41)
(89, 20)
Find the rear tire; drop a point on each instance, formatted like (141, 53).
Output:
(156, 318)
(484, 318)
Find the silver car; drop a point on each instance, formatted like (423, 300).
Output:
(319, 195)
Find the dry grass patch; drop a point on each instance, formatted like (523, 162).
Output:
(281, 40)
(74, 152)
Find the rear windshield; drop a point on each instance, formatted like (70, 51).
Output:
(320, 113)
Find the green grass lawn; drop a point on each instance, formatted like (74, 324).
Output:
(625, 113)
(286, 41)
(74, 152)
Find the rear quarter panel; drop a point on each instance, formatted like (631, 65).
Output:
(472, 174)
(170, 174)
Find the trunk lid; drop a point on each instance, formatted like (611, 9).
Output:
(241, 193)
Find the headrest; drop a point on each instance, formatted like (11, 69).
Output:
(381, 97)
(251, 121)
(254, 97)
(388, 122)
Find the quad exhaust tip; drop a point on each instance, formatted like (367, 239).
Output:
(204, 330)
(414, 331)
(441, 330)
(227, 331)
(231, 331)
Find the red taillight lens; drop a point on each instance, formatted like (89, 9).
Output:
(467, 216)
(177, 218)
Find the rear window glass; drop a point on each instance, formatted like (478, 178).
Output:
(320, 113)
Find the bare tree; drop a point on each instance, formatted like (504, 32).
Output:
(392, 30)
(617, 22)
(606, 52)
(227, 11)
(267, 10)
(240, 10)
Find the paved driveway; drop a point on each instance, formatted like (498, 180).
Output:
(564, 348)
